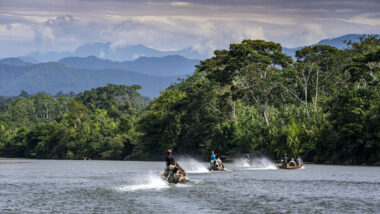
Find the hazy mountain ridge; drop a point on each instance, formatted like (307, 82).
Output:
(14, 61)
(107, 51)
(81, 71)
(53, 77)
(337, 42)
(158, 66)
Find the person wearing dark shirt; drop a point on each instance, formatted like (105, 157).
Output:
(170, 160)
(285, 163)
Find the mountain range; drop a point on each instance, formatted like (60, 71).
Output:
(337, 42)
(90, 66)
(107, 51)
(52, 77)
(157, 66)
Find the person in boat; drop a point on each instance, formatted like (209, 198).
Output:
(292, 162)
(170, 163)
(285, 160)
(249, 159)
(218, 161)
(299, 161)
(213, 158)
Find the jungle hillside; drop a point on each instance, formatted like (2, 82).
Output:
(323, 104)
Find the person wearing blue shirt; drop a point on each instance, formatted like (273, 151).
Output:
(213, 157)
(249, 159)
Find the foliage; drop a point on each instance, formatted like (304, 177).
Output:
(97, 124)
(252, 98)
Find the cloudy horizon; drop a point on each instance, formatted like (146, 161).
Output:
(41, 25)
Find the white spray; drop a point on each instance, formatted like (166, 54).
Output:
(150, 182)
(191, 165)
(257, 164)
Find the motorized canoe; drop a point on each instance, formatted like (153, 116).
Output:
(289, 167)
(178, 177)
(219, 167)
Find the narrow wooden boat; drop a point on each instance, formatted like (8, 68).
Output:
(171, 177)
(219, 167)
(289, 167)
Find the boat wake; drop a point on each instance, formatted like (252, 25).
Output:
(149, 183)
(256, 164)
(193, 166)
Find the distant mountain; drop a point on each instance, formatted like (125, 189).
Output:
(337, 42)
(14, 61)
(28, 59)
(157, 66)
(54, 77)
(106, 51)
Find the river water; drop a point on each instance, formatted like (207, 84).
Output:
(65, 186)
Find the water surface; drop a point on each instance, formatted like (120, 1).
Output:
(64, 186)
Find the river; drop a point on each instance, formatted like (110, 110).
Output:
(69, 186)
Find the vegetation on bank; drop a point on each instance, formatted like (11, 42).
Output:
(252, 98)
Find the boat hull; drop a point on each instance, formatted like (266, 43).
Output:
(179, 177)
(289, 167)
(216, 168)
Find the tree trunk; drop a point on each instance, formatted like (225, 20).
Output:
(234, 112)
(306, 106)
(266, 114)
(316, 92)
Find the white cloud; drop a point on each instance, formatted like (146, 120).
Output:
(204, 26)
(365, 19)
(16, 32)
(179, 4)
(101, 54)
(254, 33)
(46, 34)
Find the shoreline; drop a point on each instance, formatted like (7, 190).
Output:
(13, 162)
(5, 160)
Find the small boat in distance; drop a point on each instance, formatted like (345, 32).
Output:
(289, 167)
(216, 167)
(293, 164)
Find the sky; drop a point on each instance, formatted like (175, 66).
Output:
(204, 25)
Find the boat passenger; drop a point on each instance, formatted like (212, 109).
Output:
(213, 158)
(170, 162)
(292, 163)
(285, 160)
(218, 161)
(299, 161)
(249, 159)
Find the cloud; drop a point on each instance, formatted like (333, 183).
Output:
(16, 32)
(203, 25)
(61, 20)
(365, 19)
(179, 4)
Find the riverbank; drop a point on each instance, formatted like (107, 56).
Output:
(5, 160)
(12, 162)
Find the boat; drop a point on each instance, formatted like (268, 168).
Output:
(290, 167)
(216, 167)
(178, 177)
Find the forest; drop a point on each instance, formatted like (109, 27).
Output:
(323, 105)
